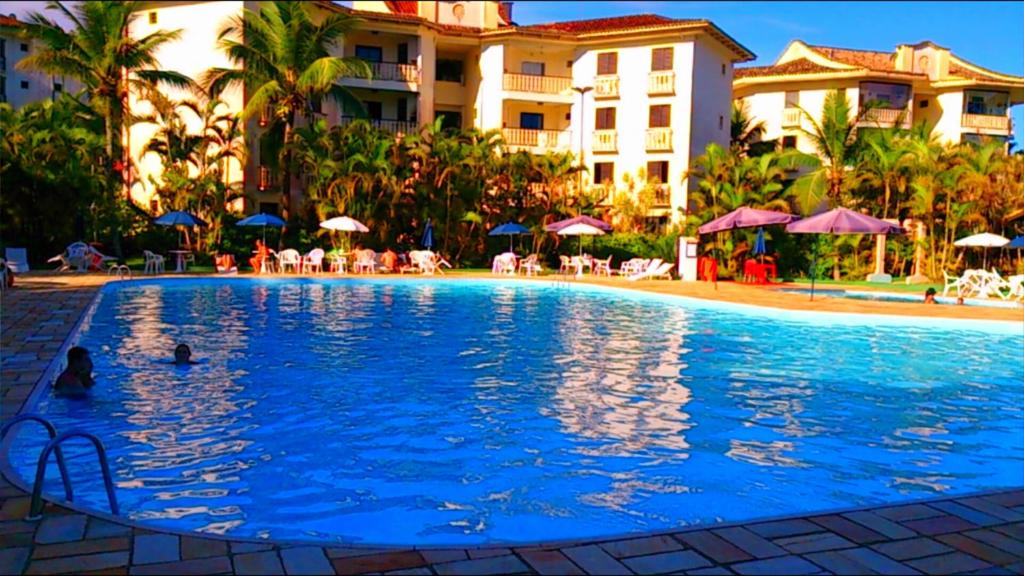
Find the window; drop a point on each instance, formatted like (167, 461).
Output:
(370, 53)
(403, 53)
(154, 205)
(604, 172)
(152, 17)
(721, 122)
(723, 69)
(657, 171)
(792, 99)
(661, 59)
(450, 120)
(374, 110)
(531, 120)
(978, 139)
(268, 208)
(885, 95)
(24, 47)
(604, 119)
(923, 103)
(316, 105)
(403, 109)
(532, 68)
(788, 142)
(986, 102)
(660, 116)
(24, 84)
(58, 87)
(449, 71)
(608, 63)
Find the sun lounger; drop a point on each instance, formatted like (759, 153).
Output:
(654, 267)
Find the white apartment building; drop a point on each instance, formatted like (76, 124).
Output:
(922, 82)
(18, 87)
(628, 93)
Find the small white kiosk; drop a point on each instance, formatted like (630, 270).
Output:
(688, 256)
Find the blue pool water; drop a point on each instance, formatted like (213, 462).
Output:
(435, 412)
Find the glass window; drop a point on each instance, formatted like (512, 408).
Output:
(24, 84)
(889, 96)
(531, 120)
(403, 53)
(657, 171)
(986, 102)
(374, 110)
(152, 17)
(533, 68)
(608, 63)
(660, 116)
(604, 172)
(788, 142)
(370, 53)
(979, 139)
(24, 47)
(403, 109)
(58, 87)
(661, 59)
(605, 119)
(269, 208)
(792, 99)
(449, 70)
(450, 120)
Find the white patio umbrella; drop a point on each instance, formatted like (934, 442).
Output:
(344, 224)
(580, 229)
(984, 240)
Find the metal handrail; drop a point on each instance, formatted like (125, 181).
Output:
(52, 431)
(35, 511)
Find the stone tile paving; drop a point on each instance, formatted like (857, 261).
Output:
(975, 534)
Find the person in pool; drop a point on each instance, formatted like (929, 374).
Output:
(76, 380)
(183, 355)
(929, 296)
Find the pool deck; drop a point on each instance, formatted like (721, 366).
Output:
(979, 533)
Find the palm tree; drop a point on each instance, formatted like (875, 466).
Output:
(285, 65)
(885, 161)
(745, 134)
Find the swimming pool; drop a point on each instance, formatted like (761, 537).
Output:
(462, 412)
(904, 297)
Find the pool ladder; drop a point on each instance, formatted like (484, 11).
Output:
(35, 511)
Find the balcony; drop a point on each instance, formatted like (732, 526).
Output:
(885, 117)
(791, 118)
(408, 74)
(265, 178)
(537, 139)
(662, 196)
(537, 84)
(393, 126)
(985, 122)
(662, 82)
(606, 86)
(659, 139)
(605, 141)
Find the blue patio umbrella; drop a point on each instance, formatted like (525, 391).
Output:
(428, 236)
(1017, 242)
(760, 247)
(509, 229)
(263, 220)
(179, 218)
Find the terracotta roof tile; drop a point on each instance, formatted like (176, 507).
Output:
(403, 7)
(8, 21)
(604, 24)
(505, 11)
(870, 59)
(798, 66)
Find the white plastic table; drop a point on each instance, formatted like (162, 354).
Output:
(180, 260)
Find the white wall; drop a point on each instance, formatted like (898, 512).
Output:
(948, 127)
(712, 101)
(40, 86)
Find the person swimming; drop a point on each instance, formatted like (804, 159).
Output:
(929, 296)
(183, 355)
(76, 380)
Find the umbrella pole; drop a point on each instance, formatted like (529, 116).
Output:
(510, 243)
(814, 266)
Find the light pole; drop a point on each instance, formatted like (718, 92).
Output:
(582, 90)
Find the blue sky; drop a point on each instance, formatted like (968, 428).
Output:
(989, 34)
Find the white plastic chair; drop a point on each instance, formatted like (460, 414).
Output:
(338, 263)
(17, 259)
(504, 264)
(289, 257)
(530, 265)
(952, 282)
(313, 261)
(154, 263)
(603, 267)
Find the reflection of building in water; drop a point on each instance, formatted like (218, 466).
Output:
(620, 385)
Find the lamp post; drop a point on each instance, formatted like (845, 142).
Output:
(582, 90)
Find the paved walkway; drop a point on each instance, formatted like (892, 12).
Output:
(981, 534)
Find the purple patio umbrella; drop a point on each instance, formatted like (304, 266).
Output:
(840, 221)
(746, 218)
(599, 224)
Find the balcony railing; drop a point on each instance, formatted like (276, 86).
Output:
(659, 139)
(546, 139)
(605, 141)
(265, 178)
(985, 121)
(885, 116)
(791, 118)
(661, 82)
(537, 84)
(393, 126)
(395, 72)
(663, 195)
(606, 86)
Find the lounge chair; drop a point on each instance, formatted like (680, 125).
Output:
(366, 262)
(565, 265)
(648, 272)
(289, 257)
(313, 261)
(17, 259)
(154, 263)
(633, 266)
(226, 264)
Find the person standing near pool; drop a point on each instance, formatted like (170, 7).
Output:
(261, 255)
(76, 380)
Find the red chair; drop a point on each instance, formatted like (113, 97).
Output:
(708, 270)
(749, 270)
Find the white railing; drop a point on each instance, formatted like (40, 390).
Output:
(661, 82)
(537, 84)
(606, 86)
(885, 116)
(985, 121)
(605, 141)
(545, 139)
(395, 72)
(791, 117)
(393, 126)
(659, 139)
